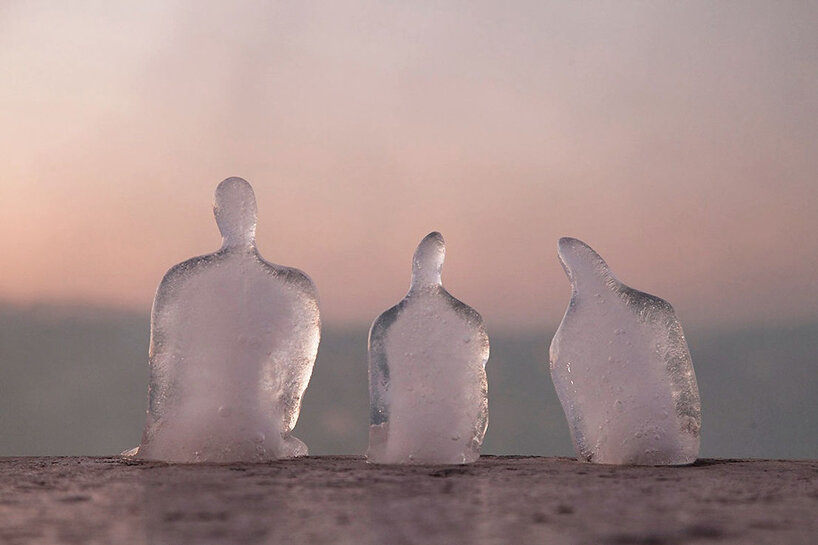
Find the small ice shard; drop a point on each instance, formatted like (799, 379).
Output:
(622, 370)
(427, 376)
(233, 343)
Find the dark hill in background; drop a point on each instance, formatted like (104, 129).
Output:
(73, 381)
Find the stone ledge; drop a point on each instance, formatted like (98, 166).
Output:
(342, 500)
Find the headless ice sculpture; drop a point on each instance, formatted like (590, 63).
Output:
(233, 342)
(427, 378)
(622, 370)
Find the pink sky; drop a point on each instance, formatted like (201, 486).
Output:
(680, 140)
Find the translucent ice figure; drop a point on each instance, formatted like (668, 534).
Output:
(622, 370)
(427, 378)
(233, 342)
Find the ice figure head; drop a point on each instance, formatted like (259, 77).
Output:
(582, 264)
(235, 211)
(427, 263)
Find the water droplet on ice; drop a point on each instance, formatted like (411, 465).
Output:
(225, 411)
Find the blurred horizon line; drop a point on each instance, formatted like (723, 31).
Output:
(90, 309)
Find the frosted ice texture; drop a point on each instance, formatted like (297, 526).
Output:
(622, 370)
(427, 378)
(233, 342)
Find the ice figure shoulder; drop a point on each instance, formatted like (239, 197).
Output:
(427, 379)
(622, 369)
(233, 343)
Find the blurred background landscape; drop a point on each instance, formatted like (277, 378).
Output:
(74, 383)
(680, 140)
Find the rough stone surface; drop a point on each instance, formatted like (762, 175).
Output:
(343, 500)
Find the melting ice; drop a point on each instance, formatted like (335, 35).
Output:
(233, 342)
(427, 379)
(622, 369)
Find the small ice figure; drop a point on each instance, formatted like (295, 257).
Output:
(233, 343)
(427, 377)
(622, 370)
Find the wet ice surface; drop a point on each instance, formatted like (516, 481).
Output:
(622, 370)
(233, 342)
(427, 378)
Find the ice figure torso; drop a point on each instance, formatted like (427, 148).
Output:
(233, 342)
(622, 370)
(427, 379)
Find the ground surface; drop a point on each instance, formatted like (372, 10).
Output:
(342, 500)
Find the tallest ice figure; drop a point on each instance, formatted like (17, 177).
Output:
(233, 342)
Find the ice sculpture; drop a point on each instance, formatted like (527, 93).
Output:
(427, 378)
(622, 370)
(233, 342)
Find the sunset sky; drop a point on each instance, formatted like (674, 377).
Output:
(679, 139)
